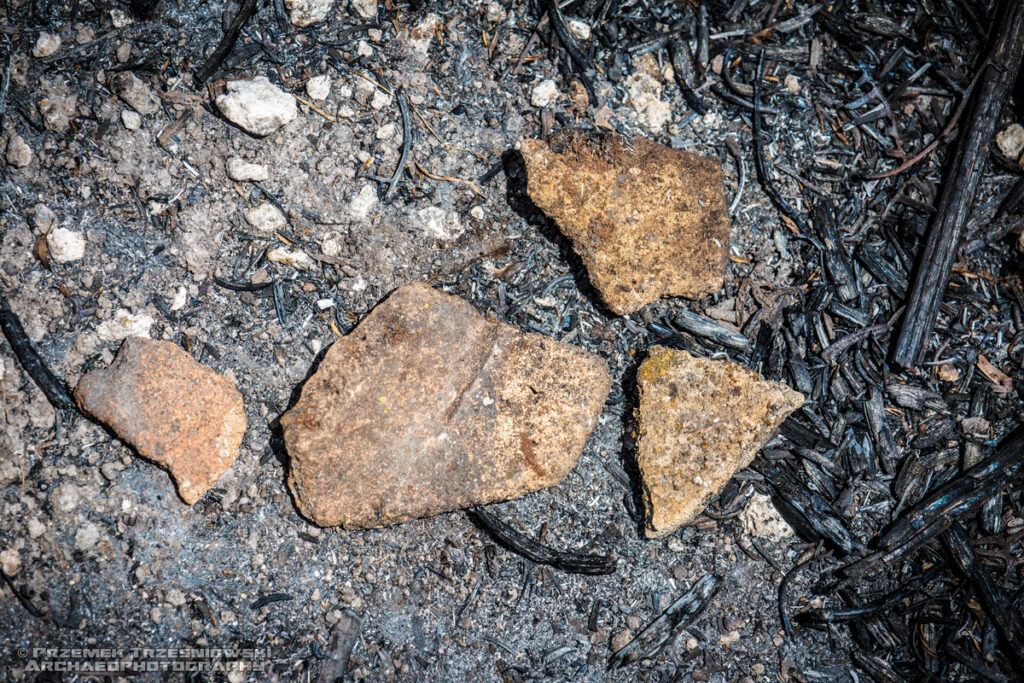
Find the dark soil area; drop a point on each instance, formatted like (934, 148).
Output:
(111, 557)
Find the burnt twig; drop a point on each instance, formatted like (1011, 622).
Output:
(569, 43)
(659, 631)
(960, 186)
(56, 391)
(245, 12)
(576, 563)
(406, 144)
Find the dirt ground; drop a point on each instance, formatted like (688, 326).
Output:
(111, 556)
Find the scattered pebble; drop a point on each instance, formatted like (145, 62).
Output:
(580, 30)
(387, 131)
(47, 45)
(367, 9)
(124, 324)
(436, 222)
(699, 421)
(307, 12)
(124, 52)
(947, 372)
(544, 93)
(257, 106)
(135, 92)
(35, 528)
(662, 226)
(318, 87)
(175, 412)
(43, 218)
(364, 202)
(19, 154)
(242, 170)
(295, 258)
(87, 536)
(621, 640)
(179, 300)
(175, 597)
(363, 49)
(10, 561)
(761, 519)
(423, 375)
(65, 246)
(792, 84)
(119, 18)
(380, 100)
(131, 119)
(265, 217)
(1010, 141)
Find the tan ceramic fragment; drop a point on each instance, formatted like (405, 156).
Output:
(175, 412)
(646, 220)
(700, 421)
(428, 406)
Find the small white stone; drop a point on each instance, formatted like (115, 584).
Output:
(19, 154)
(380, 100)
(439, 223)
(155, 615)
(46, 45)
(124, 52)
(307, 12)
(120, 18)
(477, 212)
(387, 131)
(124, 324)
(242, 170)
(761, 519)
(580, 30)
(544, 93)
(87, 536)
(35, 528)
(294, 258)
(367, 9)
(131, 119)
(494, 12)
(792, 84)
(363, 49)
(318, 87)
(136, 93)
(65, 245)
(364, 202)
(266, 218)
(175, 597)
(1010, 141)
(421, 35)
(257, 106)
(179, 300)
(43, 218)
(10, 560)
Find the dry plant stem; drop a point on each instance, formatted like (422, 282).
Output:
(960, 187)
(243, 15)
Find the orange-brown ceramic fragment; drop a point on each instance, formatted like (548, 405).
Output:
(700, 421)
(646, 220)
(176, 412)
(428, 406)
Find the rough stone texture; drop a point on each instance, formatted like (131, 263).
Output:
(242, 170)
(65, 246)
(699, 421)
(176, 412)
(257, 106)
(47, 45)
(135, 92)
(427, 406)
(19, 154)
(308, 12)
(646, 220)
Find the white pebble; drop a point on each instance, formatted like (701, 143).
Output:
(792, 84)
(544, 93)
(364, 202)
(175, 597)
(257, 106)
(43, 218)
(35, 528)
(439, 223)
(46, 45)
(294, 258)
(19, 154)
(380, 100)
(65, 245)
(1010, 141)
(307, 12)
(131, 119)
(242, 170)
(179, 300)
(367, 9)
(266, 218)
(318, 87)
(124, 324)
(119, 18)
(580, 30)
(10, 560)
(363, 49)
(387, 131)
(87, 536)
